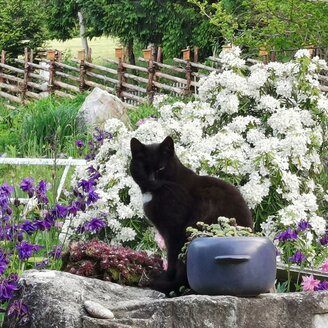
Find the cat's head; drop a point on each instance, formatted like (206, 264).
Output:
(152, 161)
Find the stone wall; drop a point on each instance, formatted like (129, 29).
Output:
(56, 299)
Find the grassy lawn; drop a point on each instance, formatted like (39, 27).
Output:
(102, 47)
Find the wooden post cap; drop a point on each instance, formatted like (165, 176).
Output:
(263, 51)
(51, 54)
(119, 53)
(147, 53)
(81, 55)
(186, 54)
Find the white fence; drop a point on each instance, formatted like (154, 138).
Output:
(46, 161)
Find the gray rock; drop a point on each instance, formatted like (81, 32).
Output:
(56, 300)
(98, 107)
(97, 310)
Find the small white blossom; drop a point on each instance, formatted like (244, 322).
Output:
(303, 53)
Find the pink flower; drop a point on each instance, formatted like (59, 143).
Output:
(159, 240)
(165, 264)
(309, 284)
(324, 266)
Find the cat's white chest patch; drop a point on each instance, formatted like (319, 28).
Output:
(147, 197)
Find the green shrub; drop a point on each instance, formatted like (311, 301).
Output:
(49, 126)
(141, 112)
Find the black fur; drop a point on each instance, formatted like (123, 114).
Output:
(180, 198)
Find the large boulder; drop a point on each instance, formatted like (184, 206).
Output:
(98, 107)
(56, 299)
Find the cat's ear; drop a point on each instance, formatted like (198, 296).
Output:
(136, 146)
(167, 146)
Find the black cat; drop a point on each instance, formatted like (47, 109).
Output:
(175, 197)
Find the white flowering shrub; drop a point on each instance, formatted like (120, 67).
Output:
(259, 127)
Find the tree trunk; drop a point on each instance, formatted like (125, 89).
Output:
(82, 32)
(129, 49)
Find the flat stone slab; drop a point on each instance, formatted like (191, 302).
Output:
(56, 299)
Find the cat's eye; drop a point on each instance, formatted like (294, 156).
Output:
(161, 169)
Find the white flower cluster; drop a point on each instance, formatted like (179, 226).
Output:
(230, 57)
(260, 130)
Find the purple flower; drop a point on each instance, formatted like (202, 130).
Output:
(28, 227)
(74, 207)
(324, 240)
(323, 285)
(6, 218)
(19, 311)
(9, 232)
(7, 287)
(56, 252)
(77, 193)
(27, 185)
(90, 157)
(298, 257)
(87, 185)
(79, 144)
(42, 224)
(92, 197)
(41, 192)
(80, 229)
(4, 261)
(6, 189)
(26, 250)
(99, 135)
(94, 174)
(49, 216)
(59, 211)
(286, 235)
(95, 225)
(42, 264)
(303, 225)
(4, 201)
(42, 188)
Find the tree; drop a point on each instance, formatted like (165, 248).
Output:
(65, 18)
(172, 25)
(278, 24)
(21, 25)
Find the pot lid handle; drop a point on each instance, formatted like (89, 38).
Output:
(231, 259)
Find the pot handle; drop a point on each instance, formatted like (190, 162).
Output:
(231, 259)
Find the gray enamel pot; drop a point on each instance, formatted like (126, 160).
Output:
(244, 266)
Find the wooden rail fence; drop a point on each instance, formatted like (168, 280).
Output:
(34, 78)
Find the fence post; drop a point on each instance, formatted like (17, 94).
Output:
(59, 56)
(31, 55)
(316, 51)
(159, 58)
(186, 57)
(3, 61)
(51, 57)
(273, 56)
(151, 75)
(26, 76)
(195, 69)
(89, 55)
(81, 57)
(196, 54)
(120, 72)
(264, 54)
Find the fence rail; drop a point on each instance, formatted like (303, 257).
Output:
(47, 161)
(34, 78)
